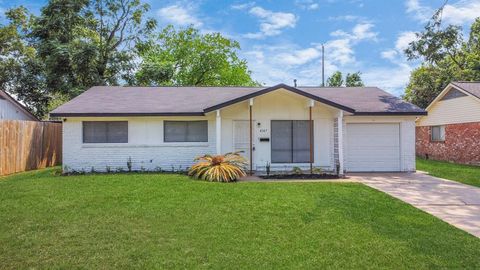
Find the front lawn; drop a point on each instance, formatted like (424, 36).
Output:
(462, 173)
(151, 221)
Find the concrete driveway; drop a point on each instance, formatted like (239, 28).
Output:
(453, 202)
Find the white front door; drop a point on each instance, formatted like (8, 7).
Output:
(373, 147)
(241, 137)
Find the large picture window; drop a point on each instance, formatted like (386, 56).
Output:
(186, 131)
(105, 132)
(438, 133)
(290, 141)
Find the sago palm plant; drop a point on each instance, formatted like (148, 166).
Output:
(219, 168)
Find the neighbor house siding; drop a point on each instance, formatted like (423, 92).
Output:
(461, 145)
(9, 111)
(145, 147)
(452, 111)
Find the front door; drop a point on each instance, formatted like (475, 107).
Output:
(241, 137)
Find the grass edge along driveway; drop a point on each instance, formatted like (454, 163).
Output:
(467, 174)
(149, 221)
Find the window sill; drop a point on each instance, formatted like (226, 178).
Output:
(126, 145)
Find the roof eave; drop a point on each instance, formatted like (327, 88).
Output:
(126, 114)
(392, 113)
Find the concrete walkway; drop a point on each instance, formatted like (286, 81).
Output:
(453, 202)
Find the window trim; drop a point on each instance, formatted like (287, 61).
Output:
(441, 127)
(186, 121)
(97, 143)
(292, 139)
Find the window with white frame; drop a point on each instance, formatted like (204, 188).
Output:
(185, 131)
(105, 132)
(437, 133)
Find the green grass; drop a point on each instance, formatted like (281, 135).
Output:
(461, 173)
(147, 221)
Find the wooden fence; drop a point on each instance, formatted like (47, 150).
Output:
(29, 145)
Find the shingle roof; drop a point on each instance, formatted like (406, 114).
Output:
(471, 87)
(123, 101)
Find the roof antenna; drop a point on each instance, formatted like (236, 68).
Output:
(323, 66)
(295, 82)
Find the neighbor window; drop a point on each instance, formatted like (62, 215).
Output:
(290, 141)
(438, 133)
(186, 131)
(105, 132)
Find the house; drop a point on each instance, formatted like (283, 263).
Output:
(11, 109)
(150, 128)
(451, 131)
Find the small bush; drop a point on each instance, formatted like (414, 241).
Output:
(297, 170)
(219, 168)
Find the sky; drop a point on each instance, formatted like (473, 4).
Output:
(281, 40)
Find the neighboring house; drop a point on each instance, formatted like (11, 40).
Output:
(167, 127)
(11, 109)
(451, 131)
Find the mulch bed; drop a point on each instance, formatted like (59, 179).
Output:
(300, 176)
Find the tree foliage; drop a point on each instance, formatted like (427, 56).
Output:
(351, 80)
(187, 57)
(335, 80)
(446, 57)
(71, 46)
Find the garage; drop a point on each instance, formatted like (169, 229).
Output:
(372, 147)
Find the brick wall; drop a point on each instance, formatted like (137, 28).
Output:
(461, 145)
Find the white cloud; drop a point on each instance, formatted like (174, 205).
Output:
(404, 39)
(307, 4)
(389, 54)
(402, 42)
(340, 50)
(283, 63)
(462, 12)
(243, 6)
(347, 18)
(364, 31)
(459, 13)
(271, 23)
(392, 79)
(179, 15)
(299, 57)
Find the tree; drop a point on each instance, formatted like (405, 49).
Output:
(187, 57)
(353, 79)
(21, 72)
(71, 46)
(89, 42)
(335, 80)
(447, 57)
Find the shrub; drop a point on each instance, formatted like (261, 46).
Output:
(297, 170)
(219, 168)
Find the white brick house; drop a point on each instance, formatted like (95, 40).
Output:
(153, 128)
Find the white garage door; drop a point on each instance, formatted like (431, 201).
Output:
(373, 147)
